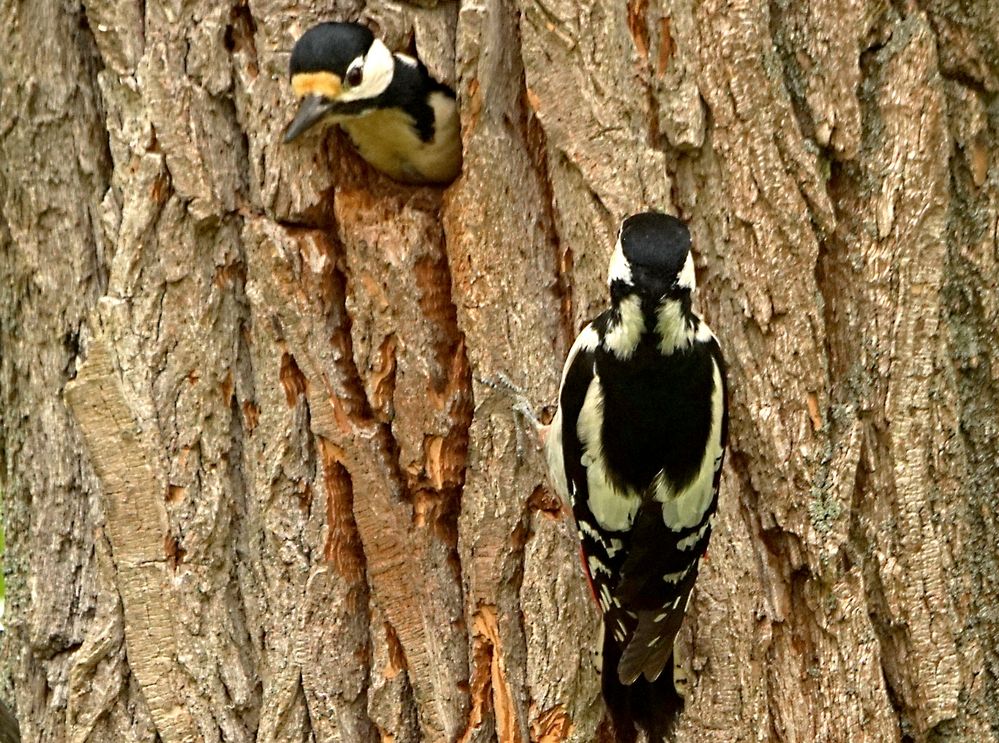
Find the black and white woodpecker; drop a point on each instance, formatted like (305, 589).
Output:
(399, 118)
(636, 446)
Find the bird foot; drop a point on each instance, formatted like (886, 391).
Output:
(522, 410)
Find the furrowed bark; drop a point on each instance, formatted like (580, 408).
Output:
(259, 482)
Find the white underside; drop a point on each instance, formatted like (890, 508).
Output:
(388, 140)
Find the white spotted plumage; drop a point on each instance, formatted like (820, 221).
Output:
(636, 445)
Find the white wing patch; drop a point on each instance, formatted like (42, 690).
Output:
(556, 459)
(611, 546)
(596, 565)
(679, 575)
(605, 598)
(613, 510)
(687, 542)
(587, 340)
(672, 326)
(623, 336)
(703, 333)
(686, 509)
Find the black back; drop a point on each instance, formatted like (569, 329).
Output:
(663, 413)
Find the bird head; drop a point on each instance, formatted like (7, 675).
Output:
(652, 260)
(337, 69)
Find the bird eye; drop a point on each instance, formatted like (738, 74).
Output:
(354, 76)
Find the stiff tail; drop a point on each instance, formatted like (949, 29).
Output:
(651, 706)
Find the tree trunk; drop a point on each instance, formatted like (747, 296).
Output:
(257, 486)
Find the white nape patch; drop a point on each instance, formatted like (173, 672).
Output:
(378, 66)
(613, 509)
(686, 509)
(686, 279)
(619, 268)
(627, 330)
(406, 59)
(675, 332)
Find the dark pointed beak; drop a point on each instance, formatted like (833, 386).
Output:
(310, 111)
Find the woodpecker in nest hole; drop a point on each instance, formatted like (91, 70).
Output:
(636, 446)
(401, 120)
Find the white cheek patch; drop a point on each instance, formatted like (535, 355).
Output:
(619, 269)
(686, 279)
(378, 67)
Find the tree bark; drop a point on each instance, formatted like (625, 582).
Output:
(257, 486)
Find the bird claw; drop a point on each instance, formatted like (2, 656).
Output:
(526, 411)
(521, 407)
(502, 383)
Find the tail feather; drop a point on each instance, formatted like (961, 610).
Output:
(651, 706)
(650, 649)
